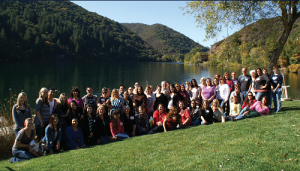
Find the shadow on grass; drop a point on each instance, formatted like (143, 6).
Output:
(295, 108)
(9, 168)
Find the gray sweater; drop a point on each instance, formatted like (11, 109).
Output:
(44, 110)
(19, 117)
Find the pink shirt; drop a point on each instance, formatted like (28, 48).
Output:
(185, 115)
(114, 131)
(79, 102)
(261, 111)
(231, 85)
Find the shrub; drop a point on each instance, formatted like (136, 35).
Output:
(294, 68)
(7, 135)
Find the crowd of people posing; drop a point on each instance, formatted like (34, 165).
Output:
(75, 122)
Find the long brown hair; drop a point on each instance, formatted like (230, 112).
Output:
(25, 102)
(52, 119)
(173, 112)
(71, 114)
(247, 100)
(115, 122)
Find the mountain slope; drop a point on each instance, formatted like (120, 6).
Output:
(47, 29)
(252, 45)
(164, 39)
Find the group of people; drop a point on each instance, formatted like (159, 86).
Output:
(75, 122)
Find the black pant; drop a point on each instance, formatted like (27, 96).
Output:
(156, 129)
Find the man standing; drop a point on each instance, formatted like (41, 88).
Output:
(89, 98)
(121, 91)
(245, 81)
(276, 82)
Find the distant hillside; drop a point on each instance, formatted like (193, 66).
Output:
(164, 39)
(36, 30)
(251, 45)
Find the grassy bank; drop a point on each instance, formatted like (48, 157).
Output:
(263, 143)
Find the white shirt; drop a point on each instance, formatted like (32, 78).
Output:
(51, 106)
(194, 93)
(36, 145)
(224, 91)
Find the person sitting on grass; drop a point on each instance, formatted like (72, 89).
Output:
(74, 137)
(90, 126)
(257, 109)
(104, 129)
(172, 120)
(142, 121)
(128, 120)
(217, 111)
(52, 138)
(195, 113)
(185, 115)
(249, 100)
(117, 126)
(206, 113)
(21, 148)
(158, 119)
(235, 108)
(35, 150)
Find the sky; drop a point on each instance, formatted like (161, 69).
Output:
(166, 13)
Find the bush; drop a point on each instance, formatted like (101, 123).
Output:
(294, 68)
(7, 135)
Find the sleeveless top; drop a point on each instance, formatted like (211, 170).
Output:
(24, 139)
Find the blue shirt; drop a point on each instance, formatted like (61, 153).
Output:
(75, 138)
(276, 79)
(49, 136)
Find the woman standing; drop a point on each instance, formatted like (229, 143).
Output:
(75, 95)
(195, 92)
(104, 129)
(173, 97)
(260, 85)
(160, 97)
(185, 115)
(208, 92)
(224, 93)
(127, 101)
(42, 109)
(53, 135)
(276, 81)
(74, 137)
(150, 101)
(90, 126)
(139, 99)
(22, 145)
(188, 86)
(229, 81)
(185, 95)
(172, 120)
(116, 101)
(20, 112)
(61, 110)
(203, 83)
(74, 111)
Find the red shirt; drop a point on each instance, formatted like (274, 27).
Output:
(247, 105)
(185, 115)
(158, 117)
(171, 124)
(114, 131)
(231, 85)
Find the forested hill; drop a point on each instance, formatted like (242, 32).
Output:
(37, 30)
(252, 45)
(164, 39)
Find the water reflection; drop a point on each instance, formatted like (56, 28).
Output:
(30, 77)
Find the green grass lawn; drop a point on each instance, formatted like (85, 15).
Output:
(262, 143)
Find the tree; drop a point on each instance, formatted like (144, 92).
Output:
(213, 15)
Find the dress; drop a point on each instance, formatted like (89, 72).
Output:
(116, 104)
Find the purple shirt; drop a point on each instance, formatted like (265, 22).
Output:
(79, 102)
(208, 92)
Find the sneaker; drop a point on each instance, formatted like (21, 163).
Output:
(233, 119)
(13, 160)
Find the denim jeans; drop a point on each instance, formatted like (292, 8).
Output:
(104, 139)
(260, 95)
(196, 122)
(21, 154)
(244, 93)
(223, 105)
(277, 99)
(242, 113)
(207, 123)
(227, 118)
(122, 136)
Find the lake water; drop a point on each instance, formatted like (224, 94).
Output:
(30, 77)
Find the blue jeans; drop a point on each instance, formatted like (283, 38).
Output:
(260, 95)
(196, 122)
(207, 123)
(22, 154)
(122, 136)
(223, 104)
(244, 93)
(104, 139)
(227, 118)
(277, 99)
(242, 113)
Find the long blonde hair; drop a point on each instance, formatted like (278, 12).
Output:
(61, 96)
(218, 105)
(41, 93)
(112, 94)
(25, 102)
